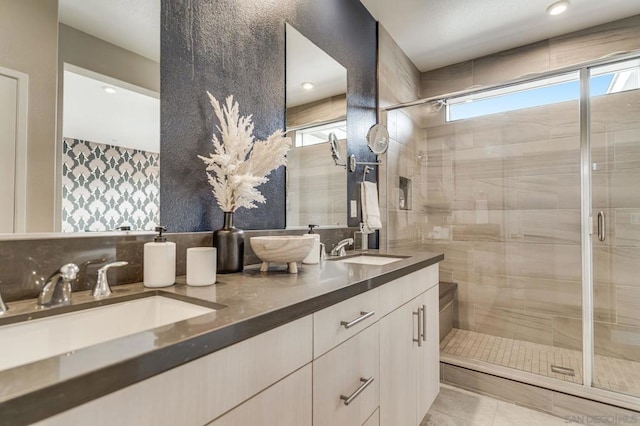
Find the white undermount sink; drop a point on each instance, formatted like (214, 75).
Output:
(33, 340)
(370, 260)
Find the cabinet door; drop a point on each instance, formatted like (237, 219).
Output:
(374, 420)
(345, 371)
(287, 403)
(398, 367)
(428, 355)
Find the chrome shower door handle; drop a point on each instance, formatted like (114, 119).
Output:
(602, 227)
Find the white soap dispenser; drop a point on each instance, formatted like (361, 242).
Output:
(361, 239)
(159, 268)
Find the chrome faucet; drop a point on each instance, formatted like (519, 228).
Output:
(3, 307)
(339, 249)
(57, 289)
(102, 289)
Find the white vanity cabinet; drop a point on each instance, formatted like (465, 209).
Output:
(204, 390)
(428, 355)
(370, 360)
(409, 349)
(346, 384)
(346, 360)
(394, 340)
(286, 403)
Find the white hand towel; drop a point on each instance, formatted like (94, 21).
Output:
(370, 207)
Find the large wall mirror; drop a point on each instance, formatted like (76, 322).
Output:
(316, 114)
(98, 166)
(81, 83)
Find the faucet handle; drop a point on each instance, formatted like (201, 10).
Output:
(102, 289)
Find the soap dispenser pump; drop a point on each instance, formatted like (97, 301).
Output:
(314, 255)
(361, 238)
(159, 269)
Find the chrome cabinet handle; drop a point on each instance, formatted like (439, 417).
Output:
(424, 323)
(349, 399)
(602, 227)
(363, 316)
(417, 314)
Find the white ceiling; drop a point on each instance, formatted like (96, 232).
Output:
(306, 62)
(132, 25)
(126, 118)
(436, 33)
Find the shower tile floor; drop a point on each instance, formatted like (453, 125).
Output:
(610, 373)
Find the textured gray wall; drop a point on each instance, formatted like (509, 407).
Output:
(237, 47)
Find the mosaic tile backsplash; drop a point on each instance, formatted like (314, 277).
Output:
(107, 186)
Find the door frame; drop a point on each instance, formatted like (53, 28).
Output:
(22, 112)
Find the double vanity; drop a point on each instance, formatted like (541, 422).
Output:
(351, 341)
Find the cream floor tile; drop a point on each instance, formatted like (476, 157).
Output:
(436, 418)
(513, 415)
(458, 407)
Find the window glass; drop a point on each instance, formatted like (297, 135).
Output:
(606, 80)
(320, 134)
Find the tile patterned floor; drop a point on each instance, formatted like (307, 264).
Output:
(457, 407)
(610, 373)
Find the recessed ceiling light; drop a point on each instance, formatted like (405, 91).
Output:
(307, 85)
(110, 90)
(558, 7)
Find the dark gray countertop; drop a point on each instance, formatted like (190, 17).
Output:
(249, 303)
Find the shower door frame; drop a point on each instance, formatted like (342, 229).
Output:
(586, 389)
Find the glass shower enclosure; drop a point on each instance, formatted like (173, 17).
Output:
(532, 191)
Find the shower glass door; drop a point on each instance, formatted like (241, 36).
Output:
(615, 178)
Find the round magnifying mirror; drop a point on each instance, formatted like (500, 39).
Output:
(378, 139)
(335, 148)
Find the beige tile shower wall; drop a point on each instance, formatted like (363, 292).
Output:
(504, 207)
(399, 82)
(333, 108)
(502, 201)
(503, 204)
(316, 187)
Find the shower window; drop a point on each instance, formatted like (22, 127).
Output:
(320, 134)
(610, 79)
(530, 94)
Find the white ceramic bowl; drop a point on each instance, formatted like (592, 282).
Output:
(287, 249)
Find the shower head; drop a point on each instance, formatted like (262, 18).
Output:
(436, 106)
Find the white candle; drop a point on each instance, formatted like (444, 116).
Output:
(201, 266)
